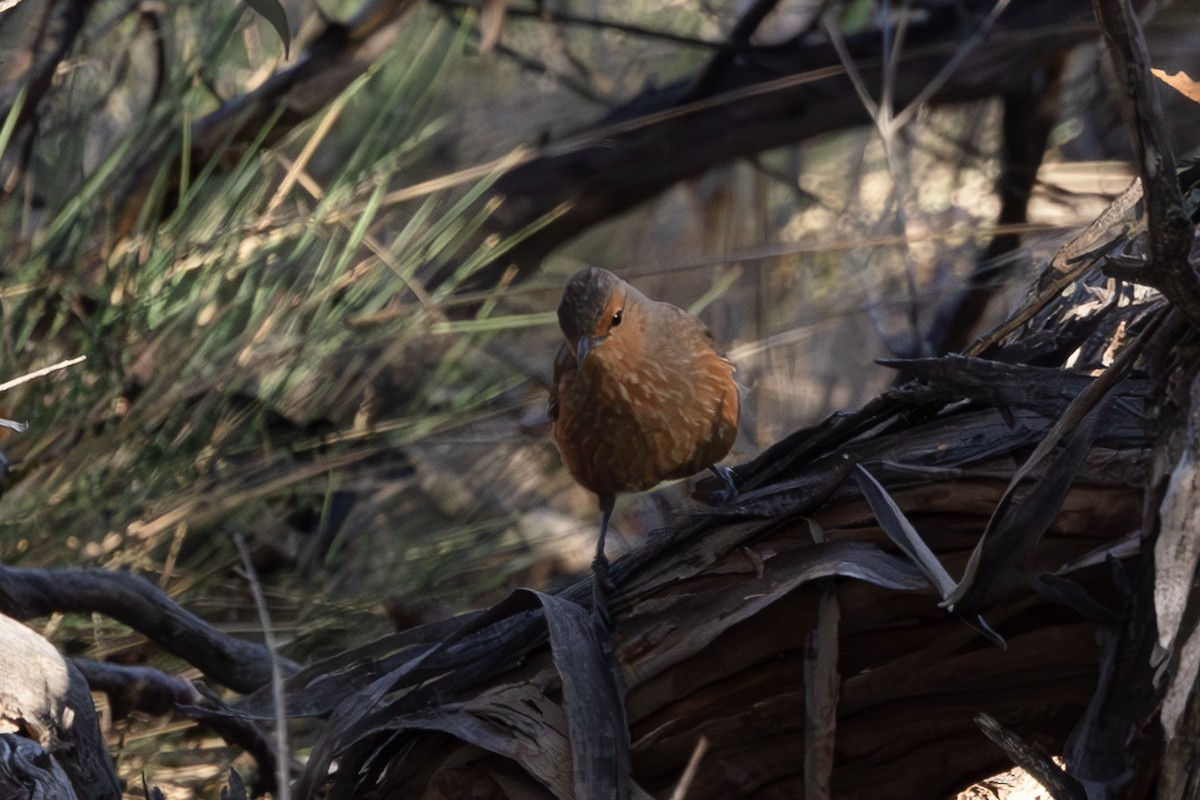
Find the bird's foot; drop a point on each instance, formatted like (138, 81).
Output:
(602, 589)
(728, 490)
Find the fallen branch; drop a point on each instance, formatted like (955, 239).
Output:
(242, 666)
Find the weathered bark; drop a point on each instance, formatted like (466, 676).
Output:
(48, 698)
(45, 699)
(28, 773)
(1176, 559)
(711, 638)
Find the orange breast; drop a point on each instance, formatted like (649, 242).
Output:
(627, 424)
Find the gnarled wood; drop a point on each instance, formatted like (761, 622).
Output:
(44, 699)
(28, 773)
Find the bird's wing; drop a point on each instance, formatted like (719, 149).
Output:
(683, 327)
(563, 362)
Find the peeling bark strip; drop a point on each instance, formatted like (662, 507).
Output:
(1177, 550)
(1176, 557)
(27, 772)
(1034, 760)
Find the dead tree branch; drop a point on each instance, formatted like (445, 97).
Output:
(1171, 232)
(238, 664)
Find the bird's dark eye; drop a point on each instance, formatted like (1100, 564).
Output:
(616, 320)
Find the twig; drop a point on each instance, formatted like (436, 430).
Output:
(739, 39)
(883, 116)
(595, 22)
(950, 67)
(904, 116)
(822, 687)
(37, 373)
(1033, 759)
(1169, 230)
(689, 772)
(277, 698)
(147, 690)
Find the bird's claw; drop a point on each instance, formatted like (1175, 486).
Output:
(723, 495)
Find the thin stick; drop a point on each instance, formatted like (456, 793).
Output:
(4, 387)
(950, 67)
(689, 772)
(277, 700)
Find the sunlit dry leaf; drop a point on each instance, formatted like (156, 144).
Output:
(1180, 82)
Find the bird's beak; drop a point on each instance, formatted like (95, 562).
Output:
(585, 346)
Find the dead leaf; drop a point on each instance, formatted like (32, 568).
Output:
(1180, 82)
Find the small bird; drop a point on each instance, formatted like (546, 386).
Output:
(640, 395)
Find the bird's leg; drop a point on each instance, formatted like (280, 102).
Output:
(602, 585)
(725, 476)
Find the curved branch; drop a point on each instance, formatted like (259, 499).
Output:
(134, 688)
(242, 666)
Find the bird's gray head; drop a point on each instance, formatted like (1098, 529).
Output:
(584, 310)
